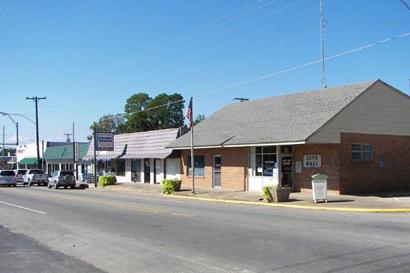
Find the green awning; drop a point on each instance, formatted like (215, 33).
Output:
(28, 161)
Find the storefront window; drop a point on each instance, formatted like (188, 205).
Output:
(265, 161)
(121, 167)
(199, 163)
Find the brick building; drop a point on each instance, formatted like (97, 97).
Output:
(359, 135)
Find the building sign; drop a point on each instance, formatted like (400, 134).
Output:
(312, 161)
(105, 142)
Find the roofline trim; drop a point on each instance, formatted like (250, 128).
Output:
(243, 145)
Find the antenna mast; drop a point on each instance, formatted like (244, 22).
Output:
(322, 47)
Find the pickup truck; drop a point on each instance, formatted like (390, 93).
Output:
(34, 176)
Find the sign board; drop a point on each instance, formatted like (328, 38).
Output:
(312, 161)
(105, 142)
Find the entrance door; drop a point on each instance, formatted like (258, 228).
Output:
(158, 173)
(147, 170)
(287, 170)
(217, 171)
(136, 170)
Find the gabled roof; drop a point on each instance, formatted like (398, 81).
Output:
(65, 152)
(281, 119)
(149, 144)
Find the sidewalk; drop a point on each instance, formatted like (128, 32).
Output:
(301, 200)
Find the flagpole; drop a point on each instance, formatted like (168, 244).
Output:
(192, 148)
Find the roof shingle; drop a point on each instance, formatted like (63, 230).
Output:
(289, 118)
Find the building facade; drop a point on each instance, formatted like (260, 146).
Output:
(139, 157)
(358, 135)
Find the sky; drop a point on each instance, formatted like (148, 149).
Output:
(87, 57)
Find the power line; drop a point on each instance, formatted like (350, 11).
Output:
(405, 4)
(218, 22)
(343, 53)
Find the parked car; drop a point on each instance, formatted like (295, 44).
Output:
(34, 176)
(7, 177)
(62, 179)
(19, 173)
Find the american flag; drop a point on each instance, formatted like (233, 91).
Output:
(188, 114)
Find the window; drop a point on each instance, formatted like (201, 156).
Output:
(265, 160)
(121, 167)
(199, 163)
(362, 152)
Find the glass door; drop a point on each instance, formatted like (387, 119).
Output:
(287, 171)
(136, 170)
(217, 171)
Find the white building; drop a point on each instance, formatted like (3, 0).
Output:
(139, 157)
(27, 154)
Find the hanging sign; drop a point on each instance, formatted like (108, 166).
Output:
(105, 142)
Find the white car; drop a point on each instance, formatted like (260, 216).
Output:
(65, 179)
(7, 177)
(35, 176)
(19, 175)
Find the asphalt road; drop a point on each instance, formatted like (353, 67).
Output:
(91, 230)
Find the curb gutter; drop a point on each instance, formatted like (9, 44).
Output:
(341, 209)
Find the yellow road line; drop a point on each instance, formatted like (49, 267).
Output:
(342, 209)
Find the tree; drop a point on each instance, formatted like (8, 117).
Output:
(198, 119)
(109, 123)
(144, 113)
(136, 120)
(166, 111)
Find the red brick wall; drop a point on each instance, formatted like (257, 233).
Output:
(369, 176)
(330, 165)
(233, 170)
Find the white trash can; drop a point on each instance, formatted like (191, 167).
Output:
(319, 187)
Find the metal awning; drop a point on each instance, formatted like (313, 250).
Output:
(29, 161)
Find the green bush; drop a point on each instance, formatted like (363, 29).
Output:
(106, 180)
(265, 192)
(170, 185)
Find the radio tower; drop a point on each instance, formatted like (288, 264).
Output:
(322, 47)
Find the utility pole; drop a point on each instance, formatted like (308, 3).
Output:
(4, 139)
(95, 155)
(36, 100)
(74, 153)
(322, 47)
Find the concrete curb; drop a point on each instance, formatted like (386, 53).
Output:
(341, 209)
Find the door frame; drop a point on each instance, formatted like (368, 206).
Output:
(281, 171)
(213, 171)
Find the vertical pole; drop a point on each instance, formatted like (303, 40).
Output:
(192, 146)
(37, 135)
(95, 156)
(322, 47)
(4, 139)
(17, 134)
(192, 160)
(74, 152)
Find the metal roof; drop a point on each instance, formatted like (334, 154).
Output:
(149, 144)
(281, 119)
(64, 152)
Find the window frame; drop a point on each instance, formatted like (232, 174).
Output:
(362, 149)
(260, 152)
(188, 166)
